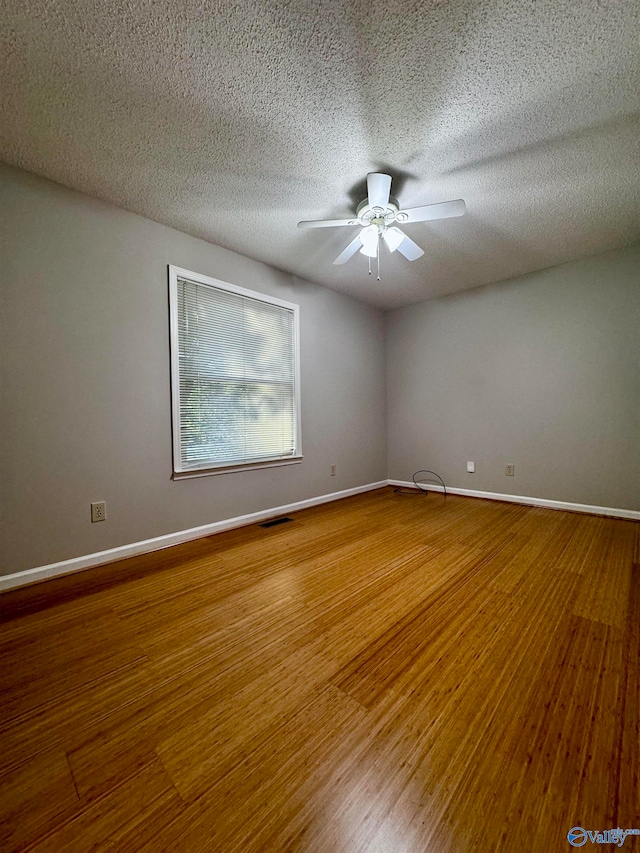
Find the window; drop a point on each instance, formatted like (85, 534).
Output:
(235, 377)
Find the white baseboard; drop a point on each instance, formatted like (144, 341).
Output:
(88, 561)
(520, 499)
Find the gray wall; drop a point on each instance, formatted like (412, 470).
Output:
(542, 372)
(85, 380)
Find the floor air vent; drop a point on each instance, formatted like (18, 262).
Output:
(276, 521)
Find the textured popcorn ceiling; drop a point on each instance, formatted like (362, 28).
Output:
(232, 121)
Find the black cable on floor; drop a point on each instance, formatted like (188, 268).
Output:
(400, 490)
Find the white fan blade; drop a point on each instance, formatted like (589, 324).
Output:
(443, 210)
(350, 251)
(410, 250)
(378, 189)
(326, 223)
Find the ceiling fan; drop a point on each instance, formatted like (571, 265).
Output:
(376, 216)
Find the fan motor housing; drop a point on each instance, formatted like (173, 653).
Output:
(367, 215)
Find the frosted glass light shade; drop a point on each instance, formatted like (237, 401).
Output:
(369, 240)
(392, 237)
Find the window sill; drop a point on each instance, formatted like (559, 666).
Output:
(234, 469)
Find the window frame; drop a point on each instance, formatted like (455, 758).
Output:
(179, 472)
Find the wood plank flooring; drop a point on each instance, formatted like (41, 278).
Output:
(386, 673)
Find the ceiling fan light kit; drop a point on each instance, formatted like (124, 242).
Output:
(377, 215)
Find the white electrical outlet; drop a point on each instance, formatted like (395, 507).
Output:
(471, 467)
(510, 470)
(98, 511)
(333, 470)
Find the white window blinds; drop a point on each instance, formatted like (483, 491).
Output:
(237, 377)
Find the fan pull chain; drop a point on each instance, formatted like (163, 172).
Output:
(378, 256)
(369, 266)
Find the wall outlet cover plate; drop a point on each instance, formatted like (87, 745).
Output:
(98, 511)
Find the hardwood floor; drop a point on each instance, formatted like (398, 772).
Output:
(387, 673)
